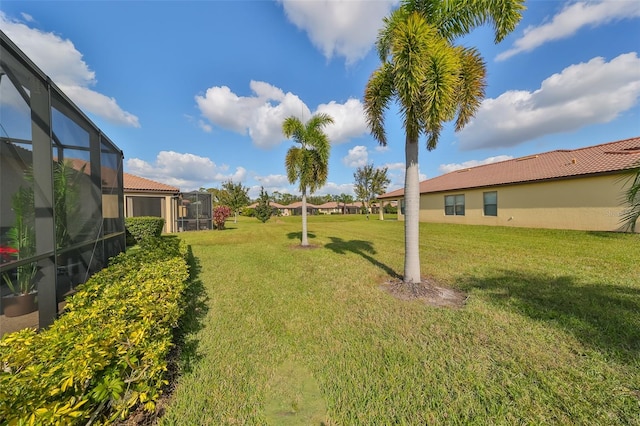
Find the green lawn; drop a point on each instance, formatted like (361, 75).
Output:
(550, 333)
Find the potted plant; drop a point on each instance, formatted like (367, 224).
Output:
(21, 238)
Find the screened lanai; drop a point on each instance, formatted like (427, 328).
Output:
(61, 203)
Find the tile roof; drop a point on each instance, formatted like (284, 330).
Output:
(560, 164)
(137, 183)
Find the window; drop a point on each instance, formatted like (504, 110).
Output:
(454, 205)
(491, 203)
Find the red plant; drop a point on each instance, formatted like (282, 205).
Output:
(220, 214)
(6, 253)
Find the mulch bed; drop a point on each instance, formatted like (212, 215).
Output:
(428, 291)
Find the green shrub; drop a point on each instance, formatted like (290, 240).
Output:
(144, 227)
(263, 210)
(389, 209)
(107, 353)
(249, 212)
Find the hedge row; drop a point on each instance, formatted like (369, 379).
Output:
(144, 227)
(107, 353)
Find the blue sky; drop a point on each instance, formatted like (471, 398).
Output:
(194, 92)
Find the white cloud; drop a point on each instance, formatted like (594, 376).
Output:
(186, 171)
(446, 168)
(396, 173)
(333, 188)
(261, 115)
(581, 95)
(395, 166)
(204, 126)
(570, 20)
(271, 183)
(63, 63)
(27, 17)
(346, 28)
(382, 148)
(348, 120)
(273, 180)
(358, 156)
(99, 104)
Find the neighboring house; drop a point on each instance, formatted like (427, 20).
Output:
(330, 207)
(295, 209)
(145, 197)
(282, 210)
(564, 189)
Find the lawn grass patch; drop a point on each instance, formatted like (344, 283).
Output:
(550, 332)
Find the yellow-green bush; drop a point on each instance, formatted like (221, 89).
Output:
(107, 353)
(142, 228)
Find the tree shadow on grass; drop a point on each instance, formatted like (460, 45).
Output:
(605, 317)
(361, 248)
(298, 235)
(195, 309)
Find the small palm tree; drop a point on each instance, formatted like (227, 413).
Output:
(308, 163)
(433, 81)
(632, 200)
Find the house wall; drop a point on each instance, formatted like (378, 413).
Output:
(169, 208)
(586, 203)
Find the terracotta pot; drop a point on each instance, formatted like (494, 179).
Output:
(15, 306)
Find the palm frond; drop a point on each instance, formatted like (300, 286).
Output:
(440, 89)
(413, 40)
(458, 18)
(293, 163)
(292, 127)
(386, 33)
(377, 96)
(472, 85)
(631, 198)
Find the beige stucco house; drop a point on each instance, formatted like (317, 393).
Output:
(145, 197)
(578, 189)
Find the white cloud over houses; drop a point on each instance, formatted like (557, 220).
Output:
(186, 171)
(570, 20)
(446, 168)
(333, 188)
(279, 183)
(358, 156)
(271, 181)
(63, 63)
(582, 94)
(396, 173)
(261, 114)
(339, 28)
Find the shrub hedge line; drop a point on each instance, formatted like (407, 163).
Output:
(144, 227)
(107, 353)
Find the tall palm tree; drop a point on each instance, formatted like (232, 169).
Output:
(432, 80)
(308, 163)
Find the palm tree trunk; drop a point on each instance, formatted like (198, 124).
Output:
(305, 240)
(412, 214)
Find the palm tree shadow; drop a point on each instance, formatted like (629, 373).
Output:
(298, 235)
(602, 316)
(361, 248)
